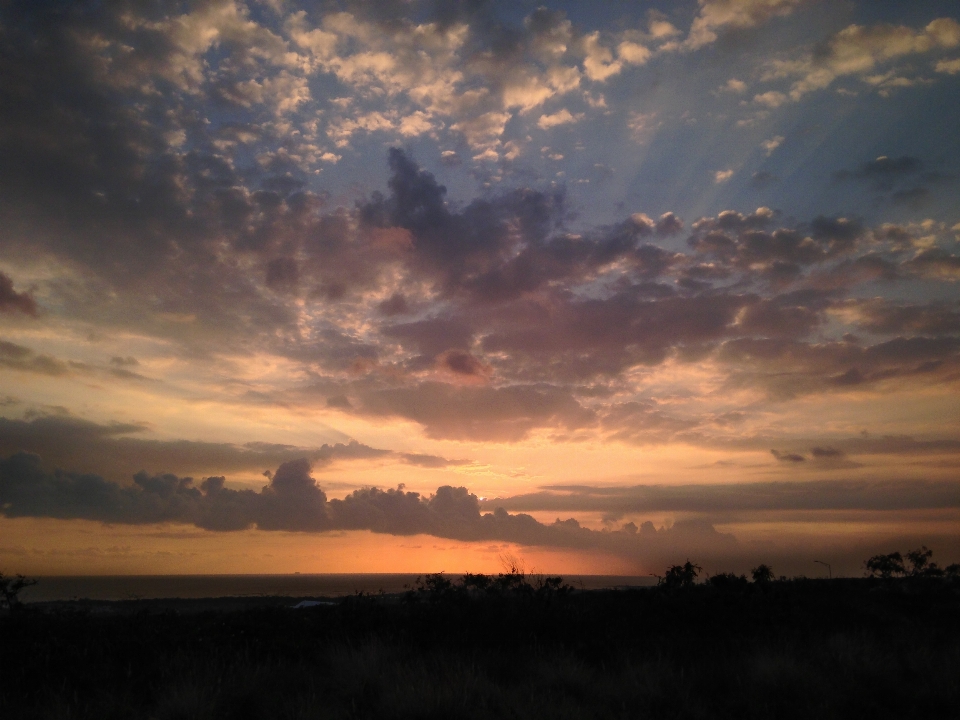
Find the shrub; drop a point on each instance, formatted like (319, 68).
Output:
(728, 580)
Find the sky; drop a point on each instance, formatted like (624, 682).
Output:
(411, 286)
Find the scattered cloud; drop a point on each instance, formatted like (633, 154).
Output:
(734, 86)
(716, 16)
(950, 67)
(561, 117)
(772, 144)
(858, 50)
(770, 99)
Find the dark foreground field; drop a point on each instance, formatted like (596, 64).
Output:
(792, 649)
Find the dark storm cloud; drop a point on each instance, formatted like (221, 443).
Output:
(119, 449)
(891, 495)
(293, 501)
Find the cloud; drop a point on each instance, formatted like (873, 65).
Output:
(219, 258)
(598, 62)
(884, 317)
(762, 179)
(883, 171)
(18, 357)
(882, 495)
(120, 449)
(772, 144)
(721, 176)
(293, 501)
(13, 302)
(733, 85)
(481, 413)
(857, 50)
(770, 99)
(788, 457)
(562, 117)
(950, 67)
(718, 15)
(633, 53)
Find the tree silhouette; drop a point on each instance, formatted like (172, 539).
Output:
(678, 576)
(915, 563)
(10, 588)
(762, 573)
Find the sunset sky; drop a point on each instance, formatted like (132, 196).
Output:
(413, 286)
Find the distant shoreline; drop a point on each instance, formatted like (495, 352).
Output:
(118, 588)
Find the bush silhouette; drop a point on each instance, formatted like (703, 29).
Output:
(436, 588)
(728, 580)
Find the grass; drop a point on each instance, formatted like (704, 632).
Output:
(802, 648)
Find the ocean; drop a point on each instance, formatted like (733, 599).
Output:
(153, 587)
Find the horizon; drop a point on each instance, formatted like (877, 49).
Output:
(355, 288)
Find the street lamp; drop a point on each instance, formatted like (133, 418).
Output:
(829, 569)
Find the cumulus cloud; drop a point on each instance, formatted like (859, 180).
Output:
(772, 144)
(715, 16)
(858, 50)
(562, 117)
(733, 85)
(293, 501)
(518, 308)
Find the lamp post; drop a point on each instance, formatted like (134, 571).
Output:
(829, 569)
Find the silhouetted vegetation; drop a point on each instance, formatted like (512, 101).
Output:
(10, 589)
(511, 645)
(679, 576)
(914, 564)
(762, 574)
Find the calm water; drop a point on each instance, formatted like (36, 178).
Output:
(148, 587)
